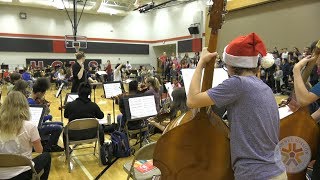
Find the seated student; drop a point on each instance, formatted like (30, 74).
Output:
(121, 119)
(179, 103)
(175, 84)
(61, 78)
(22, 86)
(153, 88)
(27, 77)
(18, 136)
(80, 108)
(53, 129)
(13, 78)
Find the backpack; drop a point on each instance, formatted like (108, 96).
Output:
(110, 128)
(120, 144)
(106, 153)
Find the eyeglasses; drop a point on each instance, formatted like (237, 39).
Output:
(224, 67)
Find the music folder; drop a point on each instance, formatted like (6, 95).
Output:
(140, 106)
(112, 89)
(36, 114)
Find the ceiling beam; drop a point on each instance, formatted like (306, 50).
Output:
(233, 5)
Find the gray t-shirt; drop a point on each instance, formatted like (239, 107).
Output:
(254, 121)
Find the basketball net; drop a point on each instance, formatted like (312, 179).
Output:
(77, 48)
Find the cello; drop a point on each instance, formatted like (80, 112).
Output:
(187, 157)
(301, 124)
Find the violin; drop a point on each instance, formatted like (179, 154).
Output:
(43, 101)
(143, 88)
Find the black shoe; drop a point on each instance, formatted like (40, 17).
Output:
(54, 148)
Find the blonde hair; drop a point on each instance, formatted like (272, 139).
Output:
(79, 55)
(14, 110)
(154, 83)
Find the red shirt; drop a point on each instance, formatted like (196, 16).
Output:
(163, 59)
(108, 69)
(6, 74)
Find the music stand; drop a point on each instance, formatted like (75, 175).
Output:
(94, 86)
(112, 89)
(57, 95)
(36, 114)
(140, 106)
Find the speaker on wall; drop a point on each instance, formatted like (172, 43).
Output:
(193, 30)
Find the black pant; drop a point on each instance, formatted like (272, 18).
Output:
(285, 80)
(271, 82)
(43, 161)
(278, 86)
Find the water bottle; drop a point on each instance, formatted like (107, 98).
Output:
(109, 118)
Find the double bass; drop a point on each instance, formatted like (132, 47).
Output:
(301, 124)
(181, 152)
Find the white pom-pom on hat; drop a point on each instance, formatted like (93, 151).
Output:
(267, 61)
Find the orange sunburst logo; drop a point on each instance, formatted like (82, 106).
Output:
(295, 153)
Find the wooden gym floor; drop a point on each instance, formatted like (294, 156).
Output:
(86, 166)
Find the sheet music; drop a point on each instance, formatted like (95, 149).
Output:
(170, 89)
(59, 90)
(72, 97)
(142, 107)
(35, 113)
(102, 73)
(219, 76)
(112, 89)
(284, 112)
(103, 121)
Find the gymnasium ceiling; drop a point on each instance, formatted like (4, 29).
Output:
(112, 7)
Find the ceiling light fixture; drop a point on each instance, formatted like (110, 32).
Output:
(107, 10)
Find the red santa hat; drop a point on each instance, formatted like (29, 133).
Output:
(245, 51)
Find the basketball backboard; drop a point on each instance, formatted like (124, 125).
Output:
(77, 42)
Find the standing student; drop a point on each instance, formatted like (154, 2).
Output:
(78, 71)
(277, 77)
(117, 72)
(252, 109)
(305, 98)
(18, 136)
(109, 71)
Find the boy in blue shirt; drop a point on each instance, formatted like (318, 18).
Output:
(252, 109)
